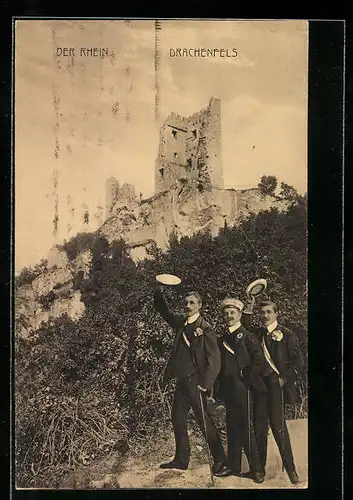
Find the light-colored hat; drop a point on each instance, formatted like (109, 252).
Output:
(168, 279)
(230, 302)
(256, 287)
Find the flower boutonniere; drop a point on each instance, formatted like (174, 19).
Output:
(277, 335)
(198, 332)
(239, 336)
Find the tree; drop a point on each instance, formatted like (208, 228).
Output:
(267, 184)
(288, 192)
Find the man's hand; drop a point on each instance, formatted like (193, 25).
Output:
(249, 306)
(202, 389)
(158, 287)
(281, 382)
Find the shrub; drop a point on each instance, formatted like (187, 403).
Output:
(79, 243)
(267, 184)
(47, 300)
(28, 274)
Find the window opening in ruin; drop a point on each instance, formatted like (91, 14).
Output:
(200, 187)
(175, 155)
(161, 171)
(195, 133)
(174, 132)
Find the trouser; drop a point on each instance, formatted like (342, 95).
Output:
(269, 409)
(187, 396)
(240, 432)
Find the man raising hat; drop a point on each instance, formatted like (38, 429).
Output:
(242, 361)
(283, 359)
(195, 363)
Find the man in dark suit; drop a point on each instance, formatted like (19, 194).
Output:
(283, 359)
(195, 363)
(242, 362)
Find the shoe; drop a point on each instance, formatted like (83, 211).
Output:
(227, 471)
(174, 464)
(293, 476)
(258, 477)
(218, 468)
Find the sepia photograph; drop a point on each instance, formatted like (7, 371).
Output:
(160, 254)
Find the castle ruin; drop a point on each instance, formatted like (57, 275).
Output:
(189, 197)
(189, 188)
(190, 149)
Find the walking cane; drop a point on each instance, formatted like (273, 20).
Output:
(249, 426)
(208, 447)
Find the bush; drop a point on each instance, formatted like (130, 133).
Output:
(28, 274)
(80, 243)
(47, 300)
(267, 184)
(82, 387)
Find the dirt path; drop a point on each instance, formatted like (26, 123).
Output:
(143, 471)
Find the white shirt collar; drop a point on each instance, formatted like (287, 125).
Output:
(192, 319)
(272, 326)
(232, 329)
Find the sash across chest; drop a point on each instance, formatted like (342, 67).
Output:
(229, 349)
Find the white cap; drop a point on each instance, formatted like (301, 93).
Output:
(230, 302)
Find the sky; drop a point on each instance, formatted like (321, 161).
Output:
(80, 120)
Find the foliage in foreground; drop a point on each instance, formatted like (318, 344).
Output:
(88, 388)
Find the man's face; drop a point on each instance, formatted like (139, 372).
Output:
(192, 305)
(231, 315)
(267, 315)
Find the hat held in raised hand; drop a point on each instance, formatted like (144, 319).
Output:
(231, 302)
(256, 287)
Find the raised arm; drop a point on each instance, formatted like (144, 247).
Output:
(161, 305)
(247, 316)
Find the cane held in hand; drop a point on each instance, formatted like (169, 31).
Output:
(205, 430)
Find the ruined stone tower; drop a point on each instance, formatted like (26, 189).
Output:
(118, 196)
(190, 148)
(111, 192)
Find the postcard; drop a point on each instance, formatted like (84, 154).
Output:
(160, 335)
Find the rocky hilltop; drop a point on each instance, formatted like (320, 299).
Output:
(189, 198)
(184, 209)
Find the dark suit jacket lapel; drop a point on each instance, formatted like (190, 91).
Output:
(234, 335)
(236, 338)
(178, 334)
(196, 341)
(278, 350)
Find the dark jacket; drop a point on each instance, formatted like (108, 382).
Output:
(249, 360)
(287, 356)
(204, 348)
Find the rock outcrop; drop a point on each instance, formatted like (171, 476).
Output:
(52, 293)
(185, 209)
